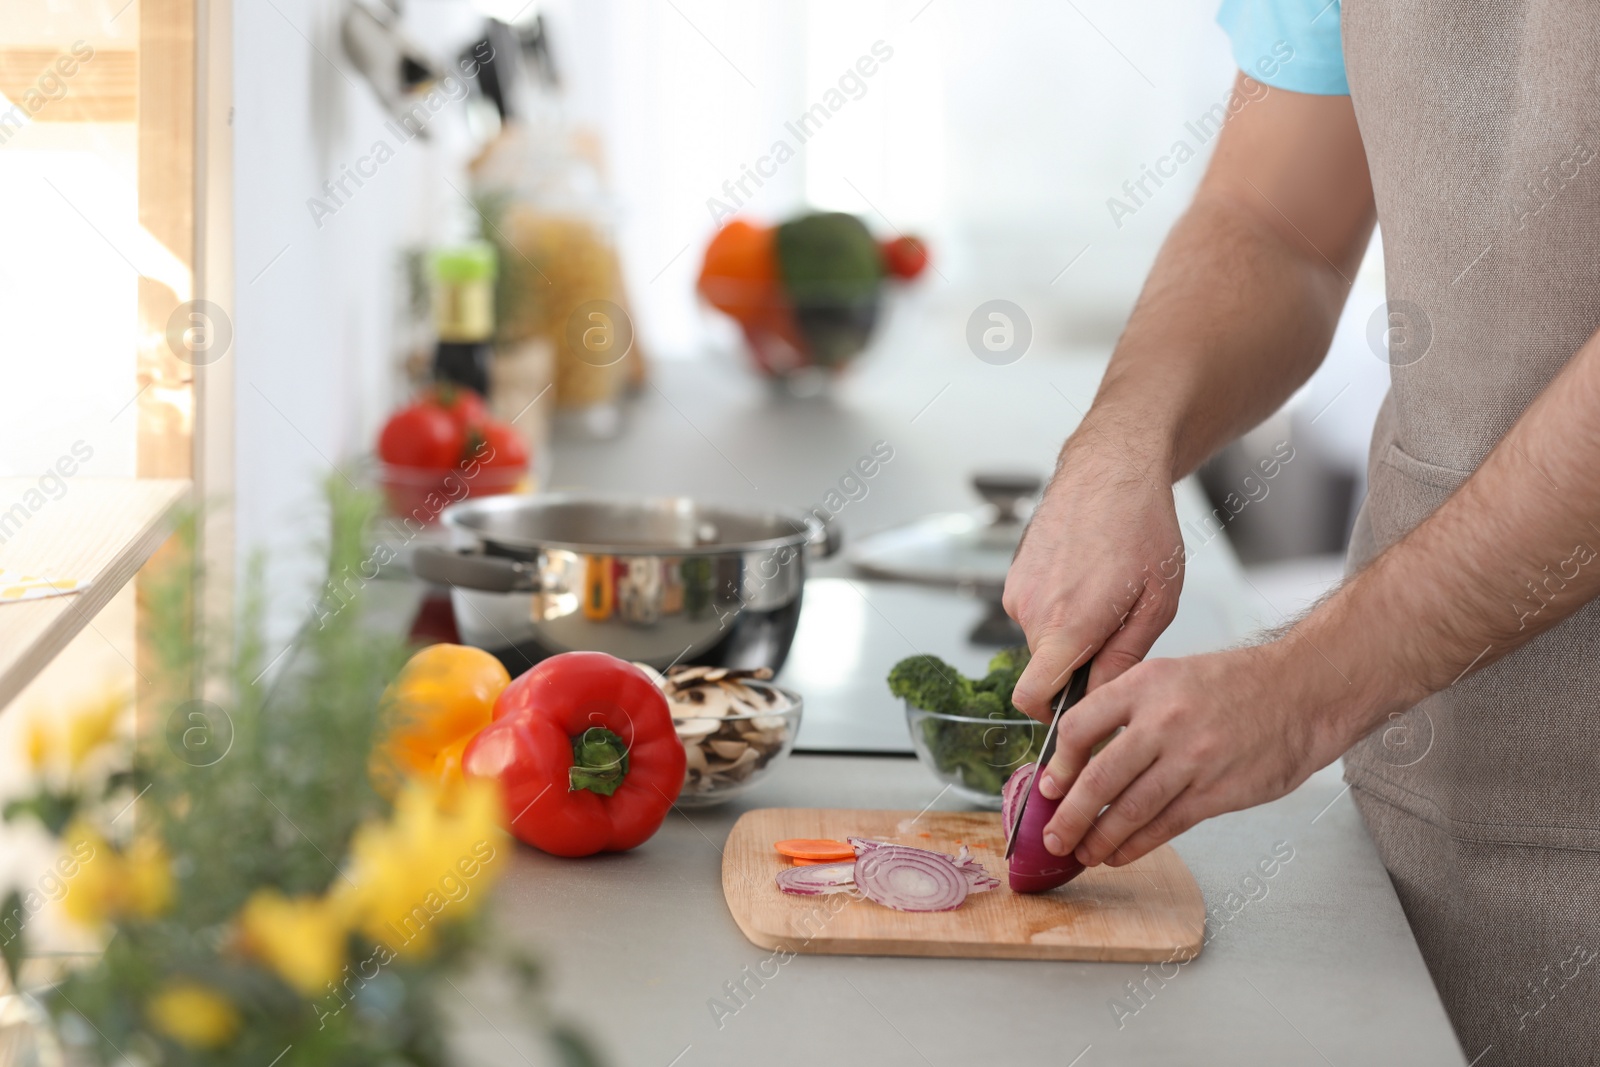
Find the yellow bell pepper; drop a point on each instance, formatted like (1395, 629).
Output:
(437, 703)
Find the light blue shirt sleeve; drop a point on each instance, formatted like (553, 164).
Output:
(1288, 44)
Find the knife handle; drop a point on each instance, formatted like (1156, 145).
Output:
(1065, 697)
(1076, 686)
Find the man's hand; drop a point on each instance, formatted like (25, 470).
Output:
(1203, 735)
(1100, 568)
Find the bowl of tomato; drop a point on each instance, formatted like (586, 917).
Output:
(445, 447)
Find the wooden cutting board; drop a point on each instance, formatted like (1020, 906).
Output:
(1151, 910)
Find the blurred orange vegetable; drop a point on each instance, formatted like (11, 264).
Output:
(740, 274)
(740, 278)
(437, 703)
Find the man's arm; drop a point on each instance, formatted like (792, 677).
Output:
(1237, 312)
(1217, 733)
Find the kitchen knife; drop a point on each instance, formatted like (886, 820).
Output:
(1076, 687)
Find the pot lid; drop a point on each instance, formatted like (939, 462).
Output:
(966, 549)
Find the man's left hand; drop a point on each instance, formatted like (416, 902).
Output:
(1203, 735)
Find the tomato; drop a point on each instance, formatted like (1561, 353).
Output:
(420, 435)
(464, 406)
(905, 257)
(506, 447)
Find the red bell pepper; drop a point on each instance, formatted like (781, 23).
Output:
(586, 754)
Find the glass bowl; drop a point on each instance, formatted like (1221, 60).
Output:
(721, 764)
(421, 493)
(974, 756)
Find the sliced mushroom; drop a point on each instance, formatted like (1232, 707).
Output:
(703, 701)
(695, 729)
(744, 698)
(728, 750)
(741, 768)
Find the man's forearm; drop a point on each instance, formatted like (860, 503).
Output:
(1510, 554)
(1231, 321)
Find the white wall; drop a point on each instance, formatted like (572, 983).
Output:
(316, 307)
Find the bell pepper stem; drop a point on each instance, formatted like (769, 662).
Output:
(599, 761)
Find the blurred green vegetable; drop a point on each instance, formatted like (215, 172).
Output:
(981, 754)
(832, 271)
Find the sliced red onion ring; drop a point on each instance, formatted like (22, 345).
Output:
(1012, 793)
(911, 879)
(819, 878)
(863, 845)
(978, 877)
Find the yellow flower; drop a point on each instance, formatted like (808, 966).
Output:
(91, 726)
(62, 743)
(40, 744)
(431, 863)
(147, 870)
(193, 1015)
(92, 897)
(110, 885)
(302, 939)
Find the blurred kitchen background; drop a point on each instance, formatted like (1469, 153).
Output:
(997, 133)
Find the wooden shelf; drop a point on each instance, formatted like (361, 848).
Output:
(101, 531)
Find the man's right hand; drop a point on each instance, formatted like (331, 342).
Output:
(1099, 568)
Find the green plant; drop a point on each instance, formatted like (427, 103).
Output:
(258, 902)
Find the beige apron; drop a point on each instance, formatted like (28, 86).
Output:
(1484, 800)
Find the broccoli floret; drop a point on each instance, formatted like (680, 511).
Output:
(1004, 670)
(930, 683)
(1006, 659)
(986, 705)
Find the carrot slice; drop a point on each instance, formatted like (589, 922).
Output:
(802, 848)
(812, 863)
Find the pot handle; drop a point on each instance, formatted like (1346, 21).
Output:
(465, 569)
(824, 538)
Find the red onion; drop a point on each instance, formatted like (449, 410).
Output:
(1033, 868)
(978, 877)
(819, 878)
(910, 879)
(863, 845)
(1011, 795)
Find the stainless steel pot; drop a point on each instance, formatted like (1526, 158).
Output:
(664, 581)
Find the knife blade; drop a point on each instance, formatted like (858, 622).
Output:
(1075, 688)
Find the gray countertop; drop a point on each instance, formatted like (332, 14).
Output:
(1314, 965)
